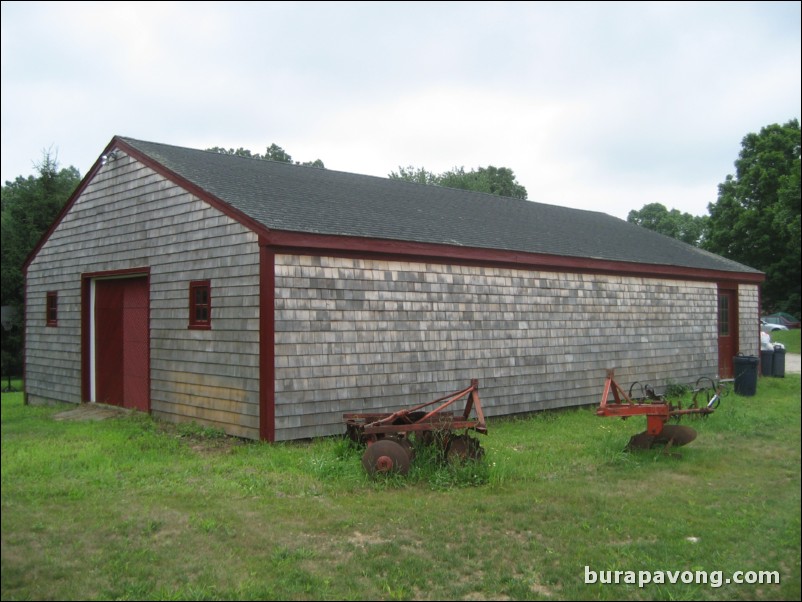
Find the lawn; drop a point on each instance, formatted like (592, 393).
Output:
(789, 338)
(134, 509)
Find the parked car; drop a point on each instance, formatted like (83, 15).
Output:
(766, 326)
(783, 318)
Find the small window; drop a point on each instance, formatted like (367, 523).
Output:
(52, 309)
(200, 304)
(724, 315)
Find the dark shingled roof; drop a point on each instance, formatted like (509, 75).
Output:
(296, 198)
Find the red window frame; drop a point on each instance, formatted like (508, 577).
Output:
(200, 305)
(51, 309)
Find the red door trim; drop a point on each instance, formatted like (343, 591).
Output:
(267, 349)
(86, 323)
(728, 345)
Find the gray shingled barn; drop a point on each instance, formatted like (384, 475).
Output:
(267, 299)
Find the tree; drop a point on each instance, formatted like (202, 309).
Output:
(276, 153)
(240, 152)
(415, 174)
(273, 153)
(756, 219)
(493, 180)
(29, 207)
(682, 226)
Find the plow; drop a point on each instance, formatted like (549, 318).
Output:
(643, 401)
(389, 436)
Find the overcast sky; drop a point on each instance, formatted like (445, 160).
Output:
(605, 106)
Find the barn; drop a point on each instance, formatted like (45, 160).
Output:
(267, 299)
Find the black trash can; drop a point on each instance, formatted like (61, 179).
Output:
(745, 374)
(767, 362)
(778, 367)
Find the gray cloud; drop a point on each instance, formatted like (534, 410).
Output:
(597, 105)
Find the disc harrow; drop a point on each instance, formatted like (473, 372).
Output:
(388, 436)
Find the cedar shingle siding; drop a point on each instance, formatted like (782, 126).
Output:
(377, 334)
(370, 294)
(128, 218)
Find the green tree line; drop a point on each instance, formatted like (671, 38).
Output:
(29, 207)
(500, 181)
(273, 153)
(756, 218)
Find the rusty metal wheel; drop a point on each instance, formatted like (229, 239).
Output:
(463, 447)
(386, 456)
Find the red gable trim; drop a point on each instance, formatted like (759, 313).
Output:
(199, 192)
(118, 143)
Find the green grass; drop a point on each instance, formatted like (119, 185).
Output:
(130, 508)
(10, 385)
(789, 338)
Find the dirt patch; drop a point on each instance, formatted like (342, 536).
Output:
(90, 412)
(214, 446)
(362, 540)
(201, 440)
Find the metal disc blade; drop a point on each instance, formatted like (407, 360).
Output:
(676, 435)
(385, 456)
(641, 441)
(463, 447)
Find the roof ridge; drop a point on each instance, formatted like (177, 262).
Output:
(287, 197)
(465, 191)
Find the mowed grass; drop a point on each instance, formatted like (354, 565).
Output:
(789, 338)
(132, 509)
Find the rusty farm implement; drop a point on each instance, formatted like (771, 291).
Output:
(658, 411)
(389, 436)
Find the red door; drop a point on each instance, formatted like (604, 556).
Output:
(122, 343)
(727, 331)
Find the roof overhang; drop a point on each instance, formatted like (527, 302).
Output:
(349, 246)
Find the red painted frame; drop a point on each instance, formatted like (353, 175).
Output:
(86, 317)
(657, 412)
(728, 345)
(267, 348)
(196, 323)
(51, 309)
